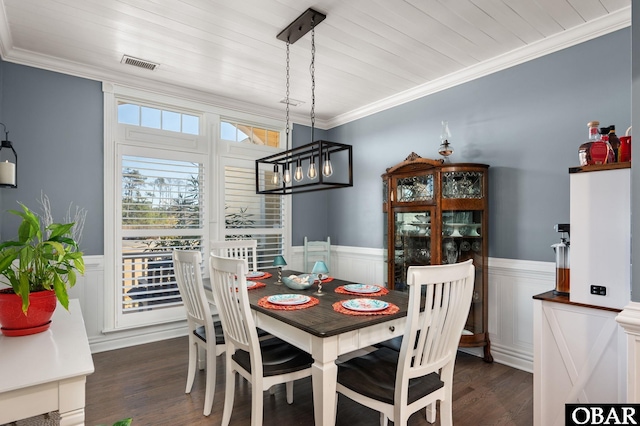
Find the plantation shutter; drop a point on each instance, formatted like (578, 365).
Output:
(253, 216)
(162, 208)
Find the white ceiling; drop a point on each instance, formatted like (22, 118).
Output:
(370, 54)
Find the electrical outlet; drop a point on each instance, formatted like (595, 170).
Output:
(599, 290)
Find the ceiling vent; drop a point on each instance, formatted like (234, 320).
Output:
(140, 63)
(292, 102)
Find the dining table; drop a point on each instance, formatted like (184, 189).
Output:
(324, 332)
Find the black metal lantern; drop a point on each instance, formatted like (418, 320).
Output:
(295, 161)
(8, 163)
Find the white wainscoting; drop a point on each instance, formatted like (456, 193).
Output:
(512, 284)
(89, 289)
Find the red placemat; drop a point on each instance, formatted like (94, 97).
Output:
(266, 304)
(328, 279)
(256, 285)
(263, 277)
(390, 310)
(382, 292)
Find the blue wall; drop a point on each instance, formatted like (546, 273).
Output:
(55, 124)
(526, 122)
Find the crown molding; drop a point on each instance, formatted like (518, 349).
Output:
(571, 37)
(27, 58)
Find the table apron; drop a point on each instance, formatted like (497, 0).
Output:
(66, 395)
(326, 349)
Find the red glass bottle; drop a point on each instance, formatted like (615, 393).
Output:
(595, 150)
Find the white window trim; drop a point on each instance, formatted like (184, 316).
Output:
(219, 152)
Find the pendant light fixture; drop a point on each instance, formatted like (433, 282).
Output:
(304, 157)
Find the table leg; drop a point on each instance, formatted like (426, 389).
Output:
(72, 401)
(324, 377)
(72, 418)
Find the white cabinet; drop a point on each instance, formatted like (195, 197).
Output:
(579, 357)
(601, 234)
(30, 386)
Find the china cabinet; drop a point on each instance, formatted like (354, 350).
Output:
(436, 213)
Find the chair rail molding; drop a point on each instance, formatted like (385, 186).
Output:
(629, 320)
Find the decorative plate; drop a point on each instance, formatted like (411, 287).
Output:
(255, 274)
(251, 284)
(288, 299)
(365, 305)
(362, 288)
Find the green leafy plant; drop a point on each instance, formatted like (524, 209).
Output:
(44, 257)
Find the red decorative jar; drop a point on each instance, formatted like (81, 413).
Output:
(38, 318)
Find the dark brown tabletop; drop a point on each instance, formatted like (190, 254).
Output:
(321, 320)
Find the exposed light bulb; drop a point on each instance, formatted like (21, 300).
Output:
(299, 174)
(312, 173)
(327, 170)
(287, 175)
(275, 179)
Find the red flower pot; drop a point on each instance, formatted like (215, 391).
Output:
(38, 318)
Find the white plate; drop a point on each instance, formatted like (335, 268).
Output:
(252, 284)
(288, 299)
(255, 274)
(365, 305)
(362, 288)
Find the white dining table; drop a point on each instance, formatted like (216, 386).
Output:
(326, 334)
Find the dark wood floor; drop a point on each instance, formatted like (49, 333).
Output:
(147, 383)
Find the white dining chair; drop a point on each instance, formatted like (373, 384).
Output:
(237, 249)
(397, 384)
(316, 250)
(263, 363)
(203, 331)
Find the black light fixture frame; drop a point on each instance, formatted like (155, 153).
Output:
(6, 143)
(315, 150)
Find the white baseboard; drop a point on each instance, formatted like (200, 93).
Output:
(119, 340)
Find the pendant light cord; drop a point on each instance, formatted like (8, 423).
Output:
(313, 77)
(287, 97)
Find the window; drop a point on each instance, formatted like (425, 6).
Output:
(239, 132)
(171, 182)
(161, 210)
(155, 118)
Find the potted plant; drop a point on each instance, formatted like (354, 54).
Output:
(40, 266)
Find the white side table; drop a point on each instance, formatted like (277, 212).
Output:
(47, 371)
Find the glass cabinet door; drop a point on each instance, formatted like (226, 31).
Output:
(412, 243)
(463, 185)
(461, 241)
(412, 189)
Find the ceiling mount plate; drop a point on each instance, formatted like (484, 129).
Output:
(302, 25)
